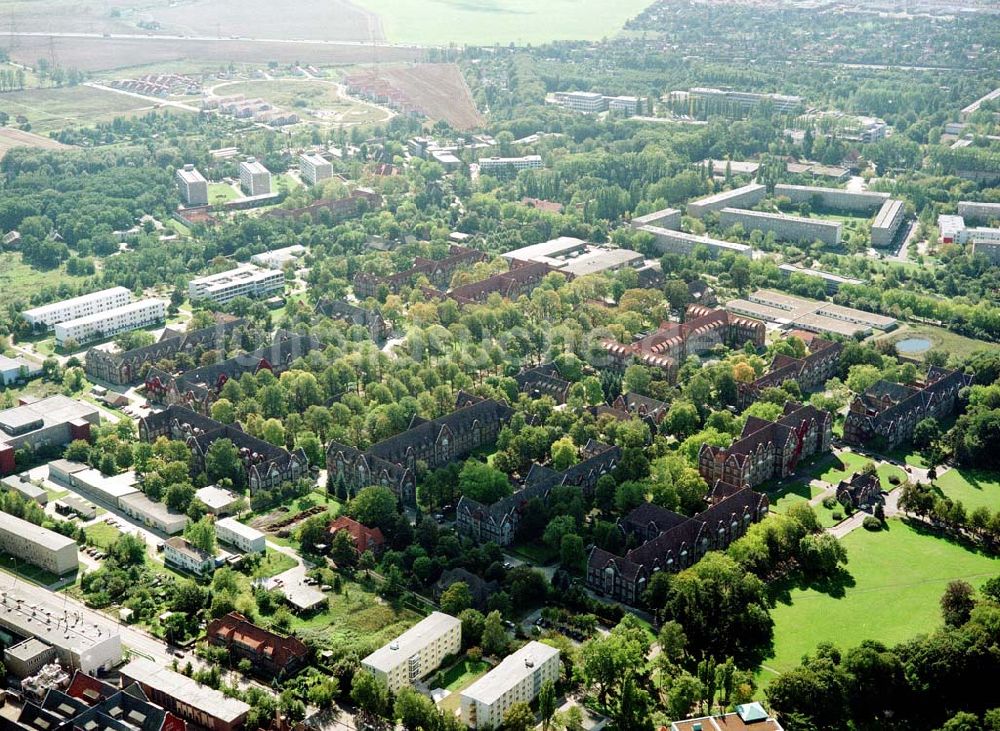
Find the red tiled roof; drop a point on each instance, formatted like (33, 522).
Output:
(235, 628)
(365, 538)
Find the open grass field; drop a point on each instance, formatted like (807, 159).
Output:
(274, 563)
(11, 138)
(221, 193)
(886, 471)
(463, 673)
(940, 339)
(974, 488)
(312, 99)
(102, 534)
(500, 21)
(890, 592)
(790, 494)
(18, 281)
(49, 110)
(844, 465)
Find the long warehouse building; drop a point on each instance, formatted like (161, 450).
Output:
(784, 228)
(38, 546)
(745, 196)
(48, 316)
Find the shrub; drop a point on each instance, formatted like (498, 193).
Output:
(838, 515)
(830, 502)
(872, 523)
(894, 480)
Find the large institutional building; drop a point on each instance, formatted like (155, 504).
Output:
(669, 241)
(54, 420)
(255, 179)
(48, 316)
(39, 546)
(314, 168)
(788, 311)
(131, 316)
(887, 222)
(835, 198)
(517, 679)
(508, 165)
(810, 373)
(245, 280)
(747, 195)
(785, 228)
(192, 186)
(417, 652)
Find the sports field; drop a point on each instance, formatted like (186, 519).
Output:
(894, 581)
(440, 22)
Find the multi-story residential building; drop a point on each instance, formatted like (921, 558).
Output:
(785, 228)
(48, 316)
(271, 655)
(975, 106)
(669, 541)
(245, 280)
(885, 415)
(56, 420)
(86, 644)
(987, 246)
(517, 679)
(393, 461)
(184, 555)
(668, 241)
(255, 179)
(499, 522)
(39, 546)
(668, 218)
(833, 281)
(132, 316)
(503, 166)
(198, 704)
(243, 537)
(981, 212)
(314, 169)
(768, 449)
(193, 186)
(836, 199)
(748, 195)
(748, 717)
(415, 653)
(703, 329)
(152, 513)
(266, 465)
(887, 222)
(737, 103)
(810, 373)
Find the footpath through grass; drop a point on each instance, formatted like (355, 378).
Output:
(890, 592)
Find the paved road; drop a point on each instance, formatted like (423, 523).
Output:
(237, 39)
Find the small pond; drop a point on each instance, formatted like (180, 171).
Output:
(911, 346)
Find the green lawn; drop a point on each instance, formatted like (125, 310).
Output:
(844, 465)
(462, 674)
(274, 563)
(73, 106)
(895, 579)
(26, 571)
(102, 535)
(940, 339)
(19, 280)
(973, 487)
(221, 193)
(790, 494)
(885, 471)
(501, 21)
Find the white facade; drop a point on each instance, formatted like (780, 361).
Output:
(279, 257)
(88, 304)
(493, 165)
(192, 186)
(152, 514)
(669, 241)
(669, 218)
(952, 229)
(255, 179)
(132, 316)
(417, 652)
(245, 538)
(747, 195)
(243, 281)
(314, 168)
(515, 680)
(39, 546)
(180, 553)
(887, 222)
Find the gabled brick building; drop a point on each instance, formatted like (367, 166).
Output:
(393, 461)
(543, 380)
(365, 538)
(768, 449)
(270, 654)
(863, 490)
(811, 372)
(378, 328)
(703, 328)
(438, 272)
(887, 412)
(672, 542)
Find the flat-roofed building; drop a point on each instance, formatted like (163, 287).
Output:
(54, 420)
(184, 697)
(509, 165)
(23, 486)
(255, 179)
(833, 281)
(278, 258)
(192, 186)
(786, 228)
(887, 222)
(981, 212)
(245, 280)
(133, 316)
(748, 717)
(48, 316)
(517, 679)
(952, 229)
(94, 483)
(727, 101)
(243, 537)
(669, 218)
(586, 102)
(986, 242)
(314, 168)
(576, 257)
(217, 500)
(787, 311)
(835, 198)
(17, 370)
(678, 242)
(417, 652)
(83, 643)
(152, 514)
(39, 546)
(27, 657)
(747, 195)
(975, 106)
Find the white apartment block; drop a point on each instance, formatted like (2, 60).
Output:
(587, 102)
(989, 248)
(314, 168)
(132, 316)
(504, 165)
(48, 316)
(669, 218)
(785, 228)
(953, 230)
(515, 680)
(193, 186)
(984, 212)
(744, 196)
(887, 222)
(841, 200)
(182, 554)
(38, 546)
(748, 100)
(255, 179)
(243, 537)
(669, 241)
(245, 280)
(417, 652)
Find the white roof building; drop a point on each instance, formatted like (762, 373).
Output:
(515, 680)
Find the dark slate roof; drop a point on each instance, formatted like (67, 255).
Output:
(171, 343)
(649, 513)
(340, 310)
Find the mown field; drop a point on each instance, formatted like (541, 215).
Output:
(940, 339)
(48, 110)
